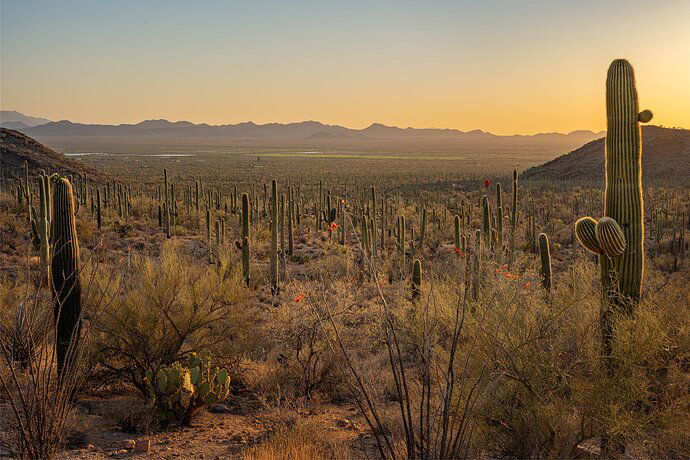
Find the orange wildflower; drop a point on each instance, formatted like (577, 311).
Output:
(333, 227)
(300, 297)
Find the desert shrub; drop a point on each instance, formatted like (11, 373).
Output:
(39, 399)
(166, 310)
(551, 392)
(301, 362)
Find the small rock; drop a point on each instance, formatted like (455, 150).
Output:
(129, 443)
(219, 409)
(143, 445)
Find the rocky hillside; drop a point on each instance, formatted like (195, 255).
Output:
(15, 148)
(665, 159)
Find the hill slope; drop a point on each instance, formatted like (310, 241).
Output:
(15, 148)
(665, 158)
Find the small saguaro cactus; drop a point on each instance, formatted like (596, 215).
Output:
(65, 274)
(40, 222)
(422, 229)
(243, 244)
(486, 221)
(456, 221)
(416, 279)
(513, 215)
(98, 208)
(545, 255)
(273, 262)
(167, 204)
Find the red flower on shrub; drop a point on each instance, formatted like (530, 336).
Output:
(333, 227)
(487, 182)
(300, 297)
(458, 251)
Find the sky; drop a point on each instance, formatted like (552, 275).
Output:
(501, 66)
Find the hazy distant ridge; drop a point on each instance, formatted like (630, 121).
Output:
(301, 130)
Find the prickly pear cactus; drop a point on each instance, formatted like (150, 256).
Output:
(180, 391)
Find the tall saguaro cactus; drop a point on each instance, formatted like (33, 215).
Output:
(65, 271)
(618, 238)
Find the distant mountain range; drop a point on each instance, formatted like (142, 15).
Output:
(665, 159)
(305, 130)
(12, 119)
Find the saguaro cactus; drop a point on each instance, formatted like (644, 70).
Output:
(416, 279)
(618, 238)
(273, 265)
(545, 255)
(65, 271)
(245, 238)
(167, 204)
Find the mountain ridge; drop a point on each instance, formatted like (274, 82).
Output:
(295, 130)
(12, 118)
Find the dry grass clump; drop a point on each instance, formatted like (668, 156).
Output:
(301, 440)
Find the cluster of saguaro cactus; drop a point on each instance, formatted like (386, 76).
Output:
(179, 391)
(65, 274)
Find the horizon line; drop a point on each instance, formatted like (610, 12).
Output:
(307, 121)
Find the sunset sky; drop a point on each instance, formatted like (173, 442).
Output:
(501, 66)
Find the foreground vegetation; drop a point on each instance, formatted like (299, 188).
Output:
(450, 318)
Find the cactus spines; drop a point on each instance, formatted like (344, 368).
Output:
(585, 231)
(545, 255)
(65, 272)
(610, 237)
(416, 279)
